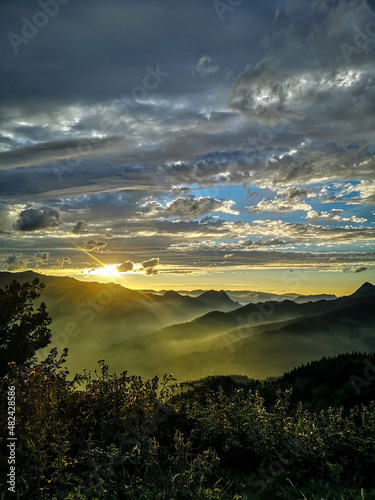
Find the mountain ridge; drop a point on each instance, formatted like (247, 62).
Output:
(364, 290)
(208, 343)
(196, 336)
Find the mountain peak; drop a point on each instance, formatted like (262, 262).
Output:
(216, 296)
(171, 295)
(365, 290)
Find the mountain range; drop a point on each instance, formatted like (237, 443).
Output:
(259, 340)
(196, 336)
(247, 296)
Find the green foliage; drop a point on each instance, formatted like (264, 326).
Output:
(114, 436)
(328, 381)
(23, 329)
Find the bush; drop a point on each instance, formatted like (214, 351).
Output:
(119, 436)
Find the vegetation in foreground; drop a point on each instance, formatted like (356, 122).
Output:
(107, 436)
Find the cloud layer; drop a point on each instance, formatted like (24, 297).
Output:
(176, 139)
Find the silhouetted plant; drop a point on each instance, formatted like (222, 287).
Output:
(23, 328)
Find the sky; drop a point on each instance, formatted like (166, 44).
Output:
(193, 144)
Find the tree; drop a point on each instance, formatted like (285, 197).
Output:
(23, 327)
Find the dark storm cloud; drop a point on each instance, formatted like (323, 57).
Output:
(33, 219)
(80, 226)
(116, 42)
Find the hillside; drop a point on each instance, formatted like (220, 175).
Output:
(123, 437)
(257, 340)
(193, 337)
(91, 317)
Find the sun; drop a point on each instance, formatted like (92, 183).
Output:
(107, 271)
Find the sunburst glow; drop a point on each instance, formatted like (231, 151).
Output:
(107, 271)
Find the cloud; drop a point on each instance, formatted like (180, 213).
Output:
(320, 234)
(334, 215)
(196, 246)
(41, 258)
(261, 257)
(147, 266)
(285, 113)
(205, 67)
(61, 262)
(277, 97)
(279, 205)
(42, 255)
(126, 266)
(189, 207)
(33, 219)
(361, 269)
(366, 190)
(80, 226)
(94, 245)
(150, 266)
(293, 192)
(270, 242)
(263, 93)
(16, 262)
(6, 217)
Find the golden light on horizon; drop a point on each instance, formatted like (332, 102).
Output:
(107, 271)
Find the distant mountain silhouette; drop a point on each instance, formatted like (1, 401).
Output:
(211, 300)
(366, 290)
(220, 298)
(262, 340)
(314, 298)
(247, 296)
(192, 337)
(172, 295)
